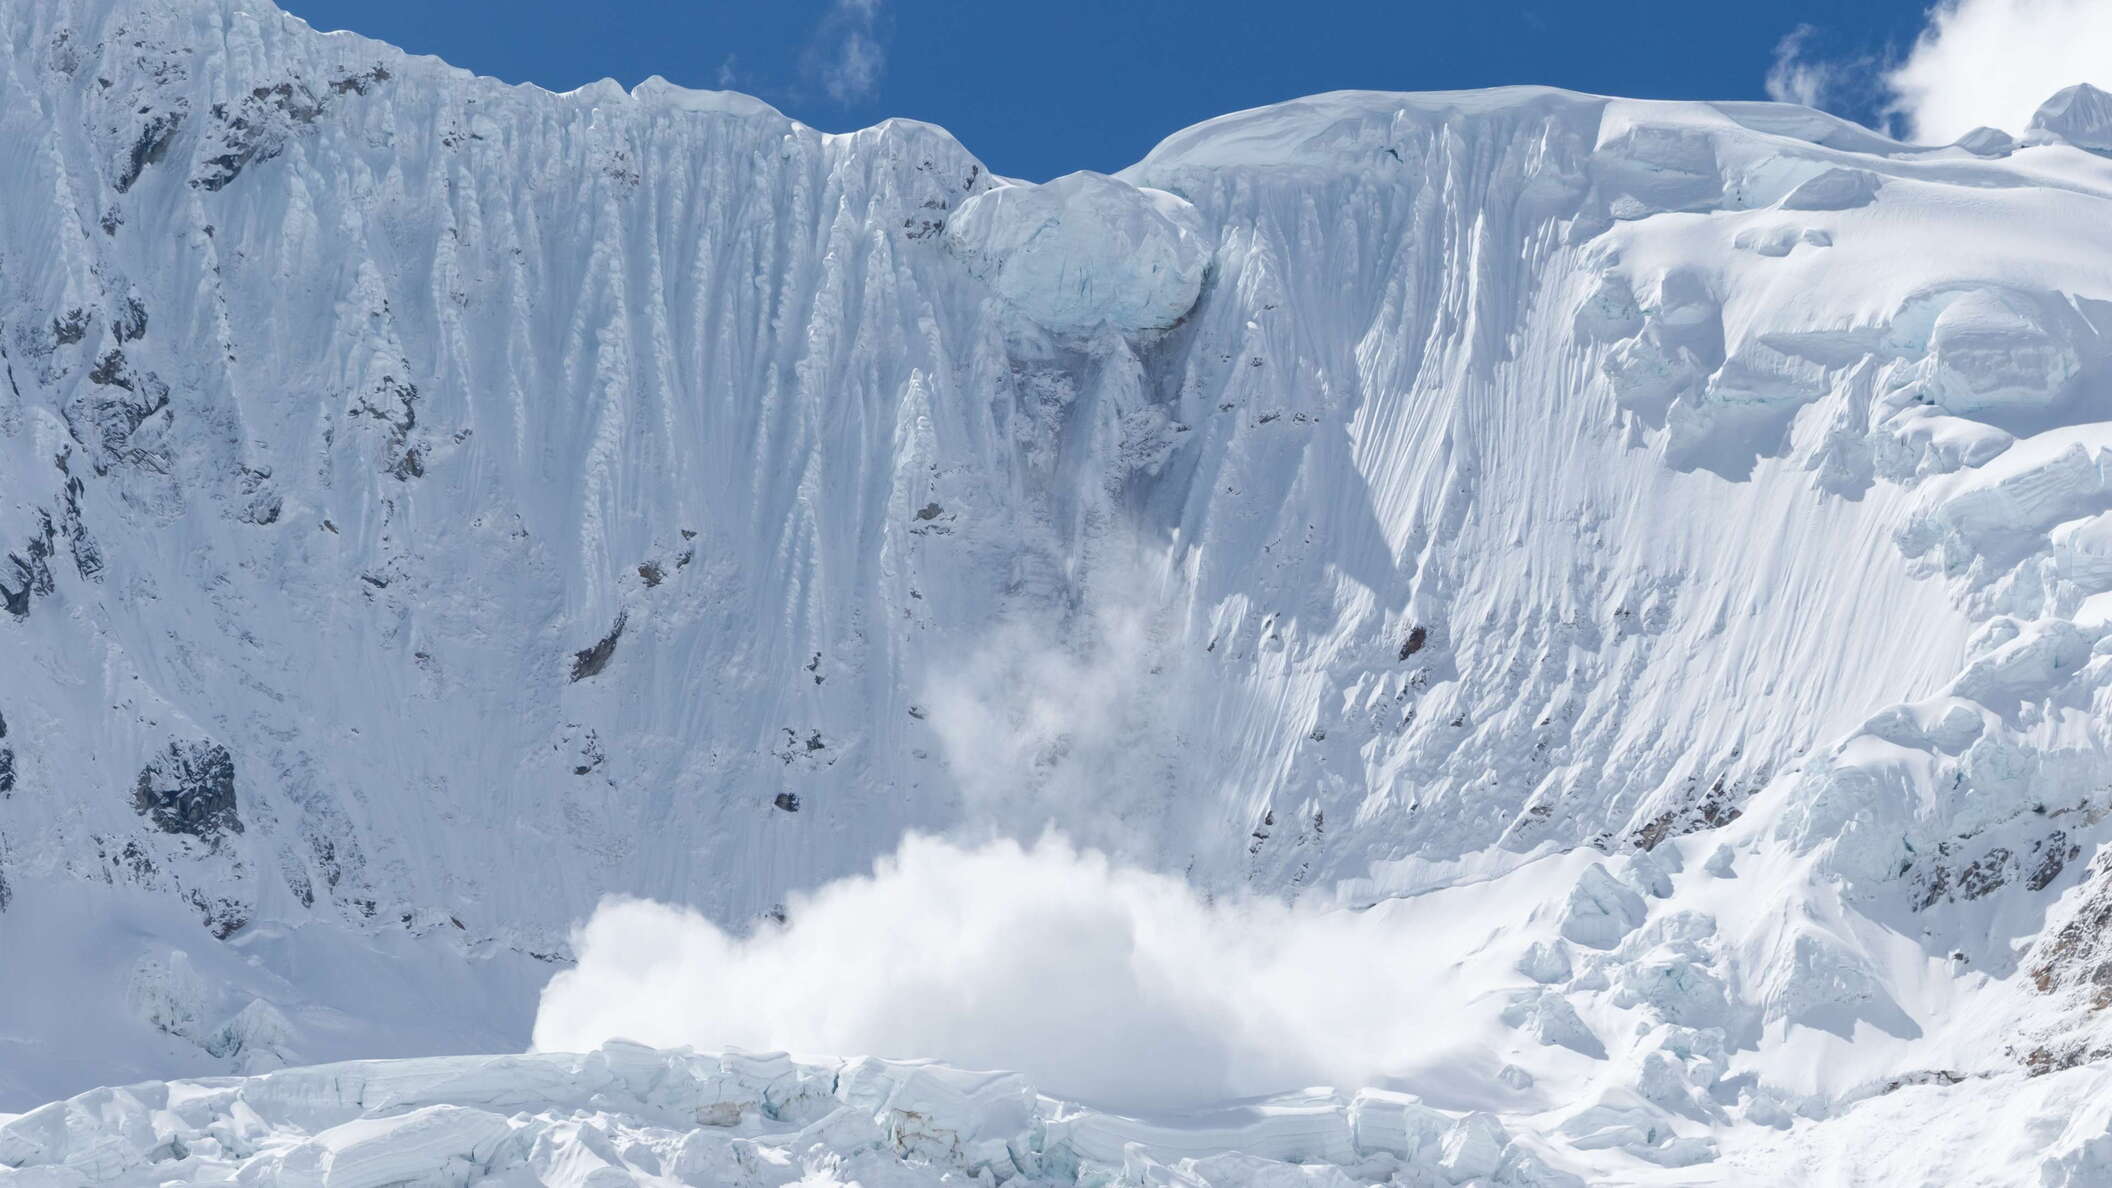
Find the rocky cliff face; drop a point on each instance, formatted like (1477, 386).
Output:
(428, 506)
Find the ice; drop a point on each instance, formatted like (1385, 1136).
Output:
(1550, 1019)
(1992, 351)
(1085, 252)
(1988, 142)
(2080, 115)
(1835, 189)
(2082, 550)
(1673, 985)
(622, 1115)
(1601, 911)
(1472, 1148)
(1722, 862)
(434, 1145)
(1545, 961)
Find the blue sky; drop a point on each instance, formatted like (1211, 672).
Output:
(1037, 90)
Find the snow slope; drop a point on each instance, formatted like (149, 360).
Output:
(427, 506)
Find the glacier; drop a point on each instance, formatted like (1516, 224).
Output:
(1655, 552)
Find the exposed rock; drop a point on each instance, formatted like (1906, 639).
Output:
(591, 660)
(2080, 953)
(258, 129)
(1717, 807)
(152, 145)
(190, 789)
(32, 568)
(130, 320)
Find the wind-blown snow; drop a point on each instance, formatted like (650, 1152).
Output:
(1657, 546)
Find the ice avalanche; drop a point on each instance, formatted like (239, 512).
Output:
(1500, 638)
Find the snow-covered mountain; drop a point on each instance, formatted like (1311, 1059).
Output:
(1660, 551)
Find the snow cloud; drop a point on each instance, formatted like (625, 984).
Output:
(1116, 986)
(1055, 719)
(848, 52)
(1994, 61)
(1028, 727)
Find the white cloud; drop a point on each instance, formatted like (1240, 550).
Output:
(848, 51)
(1797, 76)
(1994, 61)
(1111, 985)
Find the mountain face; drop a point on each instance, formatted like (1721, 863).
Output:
(428, 506)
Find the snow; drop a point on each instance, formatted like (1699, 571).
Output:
(630, 1115)
(1115, 986)
(1634, 567)
(2080, 115)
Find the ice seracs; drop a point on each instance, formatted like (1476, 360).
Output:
(2080, 115)
(1085, 252)
(627, 1115)
(1989, 351)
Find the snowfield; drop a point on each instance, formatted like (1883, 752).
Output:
(1583, 624)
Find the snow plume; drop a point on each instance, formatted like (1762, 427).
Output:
(1111, 985)
(1027, 726)
(1993, 62)
(1056, 721)
(848, 51)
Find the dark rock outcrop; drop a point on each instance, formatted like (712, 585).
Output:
(190, 789)
(588, 661)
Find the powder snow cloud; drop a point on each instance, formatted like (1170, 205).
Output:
(1108, 984)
